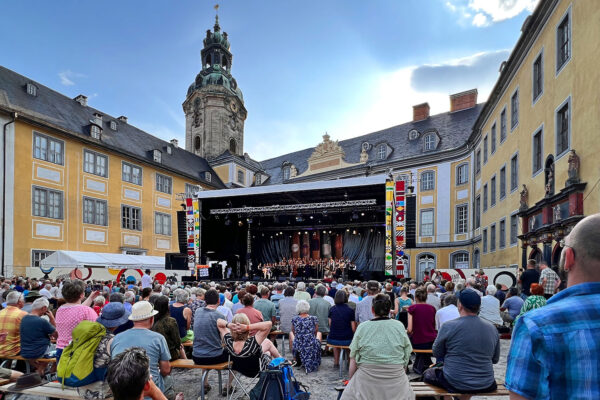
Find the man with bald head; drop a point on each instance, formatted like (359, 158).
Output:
(555, 349)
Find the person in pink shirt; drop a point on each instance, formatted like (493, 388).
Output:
(70, 314)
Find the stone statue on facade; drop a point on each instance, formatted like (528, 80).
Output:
(550, 181)
(293, 171)
(364, 157)
(556, 212)
(524, 198)
(573, 168)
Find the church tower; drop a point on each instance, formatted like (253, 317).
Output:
(214, 106)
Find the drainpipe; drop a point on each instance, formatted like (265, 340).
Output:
(14, 117)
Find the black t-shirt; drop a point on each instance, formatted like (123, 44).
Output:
(527, 278)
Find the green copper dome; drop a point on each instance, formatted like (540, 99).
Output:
(216, 37)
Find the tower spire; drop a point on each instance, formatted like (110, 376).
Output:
(217, 27)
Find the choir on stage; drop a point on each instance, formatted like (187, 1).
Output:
(307, 268)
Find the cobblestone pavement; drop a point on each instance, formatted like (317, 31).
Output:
(321, 384)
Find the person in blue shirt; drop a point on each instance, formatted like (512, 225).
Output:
(511, 306)
(555, 349)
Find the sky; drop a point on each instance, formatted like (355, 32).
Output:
(345, 67)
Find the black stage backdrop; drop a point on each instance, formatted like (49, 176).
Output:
(271, 249)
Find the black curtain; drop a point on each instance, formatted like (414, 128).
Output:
(365, 250)
(269, 249)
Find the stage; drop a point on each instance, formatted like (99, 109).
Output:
(323, 220)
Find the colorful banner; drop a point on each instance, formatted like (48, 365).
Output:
(196, 209)
(189, 218)
(400, 270)
(389, 211)
(202, 270)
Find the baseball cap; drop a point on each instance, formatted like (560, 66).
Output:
(469, 299)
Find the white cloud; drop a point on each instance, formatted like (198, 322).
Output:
(67, 77)
(489, 11)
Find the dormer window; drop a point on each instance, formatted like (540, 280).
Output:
(157, 156)
(95, 132)
(258, 179)
(169, 149)
(382, 151)
(286, 172)
(413, 134)
(366, 146)
(31, 89)
(113, 125)
(207, 176)
(429, 142)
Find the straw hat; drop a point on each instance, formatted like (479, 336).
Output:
(142, 310)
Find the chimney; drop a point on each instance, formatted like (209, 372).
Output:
(420, 112)
(81, 99)
(463, 100)
(175, 142)
(98, 119)
(122, 118)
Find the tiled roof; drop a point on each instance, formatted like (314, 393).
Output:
(65, 113)
(453, 129)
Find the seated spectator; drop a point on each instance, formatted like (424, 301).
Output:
(511, 306)
(306, 338)
(129, 299)
(500, 294)
(167, 326)
(46, 291)
(287, 311)
(364, 309)
(10, 324)
(30, 297)
(342, 324)
(98, 304)
(448, 312)
(207, 348)
(146, 292)
(301, 293)
(198, 301)
(252, 313)
(36, 333)
(223, 309)
(182, 314)
(249, 354)
(490, 307)
(432, 298)
(469, 347)
(319, 307)
(379, 354)
(142, 315)
(421, 329)
(266, 306)
(401, 306)
(128, 376)
(535, 300)
(238, 304)
(278, 295)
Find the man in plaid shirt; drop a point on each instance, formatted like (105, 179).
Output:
(555, 349)
(549, 280)
(10, 323)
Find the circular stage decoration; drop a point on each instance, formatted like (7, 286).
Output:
(46, 270)
(77, 274)
(506, 278)
(118, 279)
(160, 278)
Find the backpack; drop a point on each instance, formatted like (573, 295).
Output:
(76, 364)
(277, 382)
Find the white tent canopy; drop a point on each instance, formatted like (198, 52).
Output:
(80, 259)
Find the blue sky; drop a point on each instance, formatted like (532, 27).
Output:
(348, 67)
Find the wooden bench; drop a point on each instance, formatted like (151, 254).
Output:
(342, 355)
(189, 364)
(47, 390)
(416, 351)
(423, 389)
(7, 359)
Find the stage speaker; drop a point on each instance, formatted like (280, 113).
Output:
(410, 219)
(182, 231)
(176, 261)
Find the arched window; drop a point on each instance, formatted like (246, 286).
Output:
(286, 172)
(232, 146)
(382, 151)
(427, 180)
(197, 143)
(425, 262)
(459, 260)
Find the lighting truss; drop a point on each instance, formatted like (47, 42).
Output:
(294, 207)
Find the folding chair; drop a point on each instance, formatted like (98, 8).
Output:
(250, 367)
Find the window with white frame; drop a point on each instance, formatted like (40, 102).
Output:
(286, 172)
(113, 125)
(514, 172)
(382, 151)
(426, 263)
(157, 156)
(31, 89)
(485, 197)
(131, 218)
(563, 128)
(427, 226)
(462, 174)
(502, 233)
(258, 179)
(563, 41)
(94, 163)
(462, 218)
(514, 228)
(460, 260)
(477, 161)
(427, 180)
(164, 183)
(514, 109)
(538, 77)
(477, 219)
(48, 149)
(430, 142)
(493, 139)
(485, 149)
(95, 211)
(493, 238)
(537, 154)
(493, 191)
(131, 173)
(503, 126)
(37, 256)
(95, 131)
(162, 224)
(502, 182)
(47, 203)
(484, 239)
(240, 177)
(208, 176)
(191, 189)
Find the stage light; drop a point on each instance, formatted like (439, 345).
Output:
(249, 220)
(329, 231)
(354, 232)
(347, 230)
(311, 217)
(371, 229)
(362, 214)
(281, 233)
(306, 233)
(240, 223)
(324, 231)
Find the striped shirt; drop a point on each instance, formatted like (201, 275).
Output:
(10, 322)
(555, 350)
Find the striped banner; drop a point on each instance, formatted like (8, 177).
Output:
(389, 211)
(196, 208)
(189, 218)
(400, 271)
